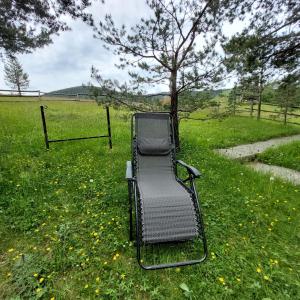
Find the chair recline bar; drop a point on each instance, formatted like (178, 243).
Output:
(166, 208)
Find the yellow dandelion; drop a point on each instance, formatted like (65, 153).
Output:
(41, 279)
(105, 263)
(97, 291)
(38, 290)
(48, 249)
(222, 280)
(11, 250)
(238, 280)
(86, 286)
(35, 275)
(52, 298)
(98, 279)
(266, 277)
(177, 270)
(258, 270)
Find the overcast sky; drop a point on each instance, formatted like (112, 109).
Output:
(67, 62)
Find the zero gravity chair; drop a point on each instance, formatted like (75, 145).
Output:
(166, 208)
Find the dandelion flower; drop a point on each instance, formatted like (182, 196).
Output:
(11, 250)
(86, 286)
(177, 270)
(97, 291)
(41, 279)
(222, 280)
(258, 270)
(266, 277)
(52, 298)
(35, 275)
(38, 290)
(98, 279)
(238, 280)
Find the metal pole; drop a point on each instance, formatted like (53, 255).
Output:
(44, 127)
(108, 127)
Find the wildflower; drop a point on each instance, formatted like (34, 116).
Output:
(266, 277)
(213, 255)
(48, 249)
(35, 275)
(238, 280)
(52, 298)
(105, 263)
(86, 286)
(222, 280)
(11, 250)
(98, 279)
(97, 291)
(258, 270)
(8, 274)
(38, 290)
(41, 280)
(177, 270)
(91, 180)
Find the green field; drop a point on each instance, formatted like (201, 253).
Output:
(64, 212)
(286, 156)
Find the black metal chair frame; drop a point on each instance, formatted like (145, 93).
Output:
(133, 194)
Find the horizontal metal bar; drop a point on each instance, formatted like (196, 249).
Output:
(81, 138)
(173, 265)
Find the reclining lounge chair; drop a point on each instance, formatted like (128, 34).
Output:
(166, 208)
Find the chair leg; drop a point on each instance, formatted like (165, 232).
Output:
(130, 210)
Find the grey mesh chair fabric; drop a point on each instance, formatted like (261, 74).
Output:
(166, 210)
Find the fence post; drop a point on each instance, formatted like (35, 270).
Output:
(44, 127)
(108, 126)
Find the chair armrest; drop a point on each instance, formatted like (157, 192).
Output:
(129, 175)
(190, 169)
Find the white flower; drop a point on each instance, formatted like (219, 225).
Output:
(91, 180)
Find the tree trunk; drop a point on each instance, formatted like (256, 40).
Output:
(174, 107)
(260, 88)
(19, 89)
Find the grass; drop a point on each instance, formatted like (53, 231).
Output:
(64, 212)
(286, 156)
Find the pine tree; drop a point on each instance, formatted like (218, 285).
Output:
(174, 46)
(14, 75)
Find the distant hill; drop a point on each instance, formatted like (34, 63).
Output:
(82, 91)
(86, 92)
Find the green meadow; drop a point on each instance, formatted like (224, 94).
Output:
(287, 156)
(64, 212)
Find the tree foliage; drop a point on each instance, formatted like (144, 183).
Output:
(14, 75)
(175, 46)
(29, 24)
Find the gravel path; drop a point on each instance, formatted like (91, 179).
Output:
(283, 173)
(250, 150)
